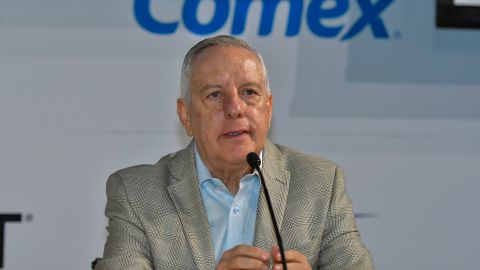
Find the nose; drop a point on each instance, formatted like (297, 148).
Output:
(233, 106)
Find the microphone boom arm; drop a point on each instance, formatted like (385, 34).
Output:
(254, 161)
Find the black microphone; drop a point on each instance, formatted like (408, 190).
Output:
(254, 161)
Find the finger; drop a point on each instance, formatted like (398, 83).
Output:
(295, 256)
(294, 259)
(246, 263)
(244, 257)
(250, 252)
(275, 253)
(290, 255)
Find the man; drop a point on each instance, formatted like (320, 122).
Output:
(203, 207)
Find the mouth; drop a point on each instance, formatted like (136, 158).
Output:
(235, 133)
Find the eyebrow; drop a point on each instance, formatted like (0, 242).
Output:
(209, 86)
(251, 84)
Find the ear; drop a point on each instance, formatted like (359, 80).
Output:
(270, 106)
(183, 113)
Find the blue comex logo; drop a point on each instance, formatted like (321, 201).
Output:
(318, 14)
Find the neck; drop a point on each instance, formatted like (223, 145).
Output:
(230, 173)
(230, 176)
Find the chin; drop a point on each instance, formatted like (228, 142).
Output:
(237, 156)
(239, 150)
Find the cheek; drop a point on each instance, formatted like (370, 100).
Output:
(204, 123)
(264, 113)
(260, 119)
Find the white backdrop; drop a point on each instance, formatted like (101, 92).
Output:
(86, 90)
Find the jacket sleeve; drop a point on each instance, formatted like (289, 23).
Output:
(341, 247)
(126, 246)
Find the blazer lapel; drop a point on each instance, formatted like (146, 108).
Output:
(277, 179)
(187, 199)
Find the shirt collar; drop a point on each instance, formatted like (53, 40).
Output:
(202, 171)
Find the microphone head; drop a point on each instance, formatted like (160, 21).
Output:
(253, 160)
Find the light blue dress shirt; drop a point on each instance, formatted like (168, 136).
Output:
(231, 218)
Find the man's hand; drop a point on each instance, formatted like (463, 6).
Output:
(244, 257)
(295, 260)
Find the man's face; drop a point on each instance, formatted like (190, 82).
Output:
(230, 110)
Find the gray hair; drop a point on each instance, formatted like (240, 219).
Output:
(222, 40)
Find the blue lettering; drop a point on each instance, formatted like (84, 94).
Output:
(315, 15)
(239, 16)
(266, 22)
(218, 20)
(141, 9)
(371, 16)
(268, 14)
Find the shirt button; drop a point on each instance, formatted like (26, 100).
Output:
(236, 210)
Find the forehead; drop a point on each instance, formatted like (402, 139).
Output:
(226, 60)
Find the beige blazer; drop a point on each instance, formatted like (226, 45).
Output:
(157, 219)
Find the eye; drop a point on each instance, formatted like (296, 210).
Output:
(249, 92)
(214, 95)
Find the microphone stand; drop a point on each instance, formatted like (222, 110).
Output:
(254, 161)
